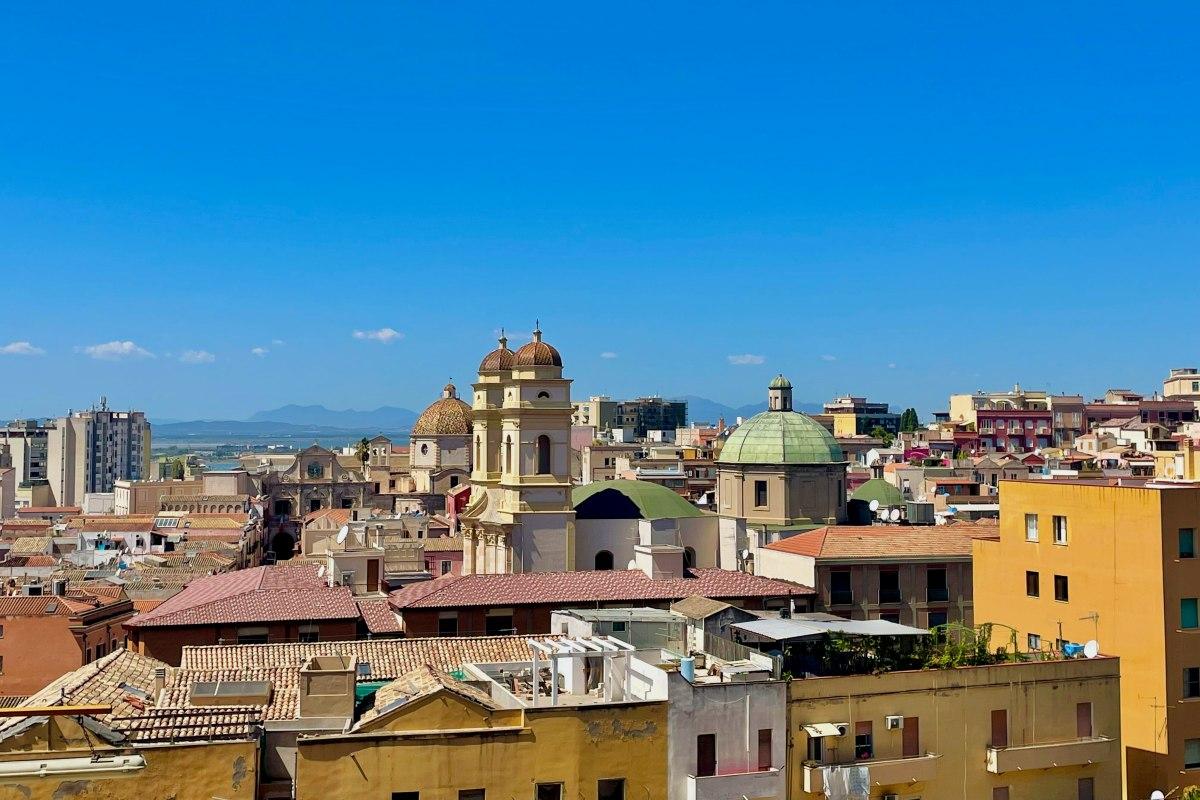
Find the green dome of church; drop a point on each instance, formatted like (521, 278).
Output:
(780, 437)
(878, 489)
(780, 382)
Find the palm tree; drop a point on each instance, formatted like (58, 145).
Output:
(363, 450)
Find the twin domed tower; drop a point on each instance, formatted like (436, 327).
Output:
(520, 517)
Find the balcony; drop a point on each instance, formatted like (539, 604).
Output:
(768, 784)
(883, 771)
(1045, 755)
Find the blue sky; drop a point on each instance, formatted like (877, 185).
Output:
(895, 200)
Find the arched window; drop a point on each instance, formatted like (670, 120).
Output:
(543, 455)
(689, 557)
(508, 454)
(543, 395)
(604, 560)
(478, 463)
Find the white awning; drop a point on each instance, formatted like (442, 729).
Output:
(819, 729)
(778, 630)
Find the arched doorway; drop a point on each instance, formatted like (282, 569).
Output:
(604, 560)
(543, 455)
(284, 546)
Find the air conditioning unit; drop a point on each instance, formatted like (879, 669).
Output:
(893, 723)
(889, 796)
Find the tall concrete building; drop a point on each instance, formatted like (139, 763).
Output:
(89, 451)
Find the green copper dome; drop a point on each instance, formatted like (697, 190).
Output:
(780, 382)
(780, 437)
(878, 489)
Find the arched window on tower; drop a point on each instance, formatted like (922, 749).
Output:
(478, 463)
(604, 560)
(543, 455)
(508, 454)
(689, 558)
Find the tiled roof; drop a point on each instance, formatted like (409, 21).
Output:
(261, 594)
(444, 544)
(337, 517)
(105, 681)
(422, 682)
(48, 510)
(379, 617)
(698, 607)
(280, 663)
(190, 724)
(540, 588)
(31, 545)
(886, 541)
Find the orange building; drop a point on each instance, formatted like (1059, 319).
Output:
(42, 637)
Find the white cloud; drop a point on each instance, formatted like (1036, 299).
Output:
(197, 357)
(828, 357)
(384, 335)
(277, 342)
(21, 349)
(115, 350)
(746, 358)
(608, 354)
(259, 351)
(891, 366)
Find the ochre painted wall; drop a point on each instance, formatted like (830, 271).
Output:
(954, 708)
(1125, 583)
(573, 746)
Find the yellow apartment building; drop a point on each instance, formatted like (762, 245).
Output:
(1078, 560)
(1028, 730)
(434, 737)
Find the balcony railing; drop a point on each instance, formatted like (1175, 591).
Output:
(1045, 755)
(767, 784)
(883, 771)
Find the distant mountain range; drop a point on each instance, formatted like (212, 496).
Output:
(701, 409)
(295, 421)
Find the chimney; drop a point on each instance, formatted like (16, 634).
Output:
(160, 682)
(59, 587)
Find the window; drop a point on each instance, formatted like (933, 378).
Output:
(620, 627)
(470, 794)
(839, 589)
(890, 616)
(1187, 613)
(889, 586)
(936, 618)
(816, 749)
(1060, 588)
(1187, 543)
(936, 585)
(543, 455)
(445, 567)
(254, 635)
(610, 789)
(864, 741)
(1033, 642)
(406, 796)
(604, 560)
(706, 755)
(1032, 580)
(1191, 681)
(1000, 793)
(760, 494)
(1060, 530)
(764, 749)
(1191, 753)
(1083, 720)
(1, 631)
(910, 738)
(1087, 789)
(499, 624)
(1031, 531)
(548, 791)
(448, 625)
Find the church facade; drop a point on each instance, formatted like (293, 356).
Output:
(520, 517)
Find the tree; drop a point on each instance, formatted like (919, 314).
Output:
(178, 469)
(909, 421)
(363, 450)
(880, 432)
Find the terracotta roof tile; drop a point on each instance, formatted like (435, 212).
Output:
(379, 617)
(456, 591)
(885, 541)
(261, 594)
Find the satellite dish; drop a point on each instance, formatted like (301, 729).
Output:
(1157, 795)
(631, 565)
(1091, 649)
(745, 554)
(894, 515)
(343, 532)
(321, 572)
(873, 505)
